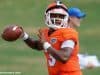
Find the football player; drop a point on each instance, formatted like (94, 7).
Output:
(59, 40)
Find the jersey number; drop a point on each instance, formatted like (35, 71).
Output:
(51, 60)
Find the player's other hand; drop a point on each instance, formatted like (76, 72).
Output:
(41, 36)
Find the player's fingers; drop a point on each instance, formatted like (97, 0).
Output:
(39, 36)
(40, 30)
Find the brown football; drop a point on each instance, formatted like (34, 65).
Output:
(12, 33)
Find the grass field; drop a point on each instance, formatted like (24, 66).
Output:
(17, 57)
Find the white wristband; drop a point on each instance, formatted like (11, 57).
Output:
(26, 36)
(46, 45)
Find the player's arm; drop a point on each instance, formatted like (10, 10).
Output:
(34, 44)
(64, 53)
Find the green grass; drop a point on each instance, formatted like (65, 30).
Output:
(16, 56)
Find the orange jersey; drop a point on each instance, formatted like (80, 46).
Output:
(56, 39)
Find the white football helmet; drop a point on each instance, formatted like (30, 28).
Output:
(56, 16)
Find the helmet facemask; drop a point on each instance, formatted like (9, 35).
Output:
(57, 18)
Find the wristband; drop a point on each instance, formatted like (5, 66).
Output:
(26, 36)
(46, 45)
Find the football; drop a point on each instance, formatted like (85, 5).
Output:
(12, 33)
